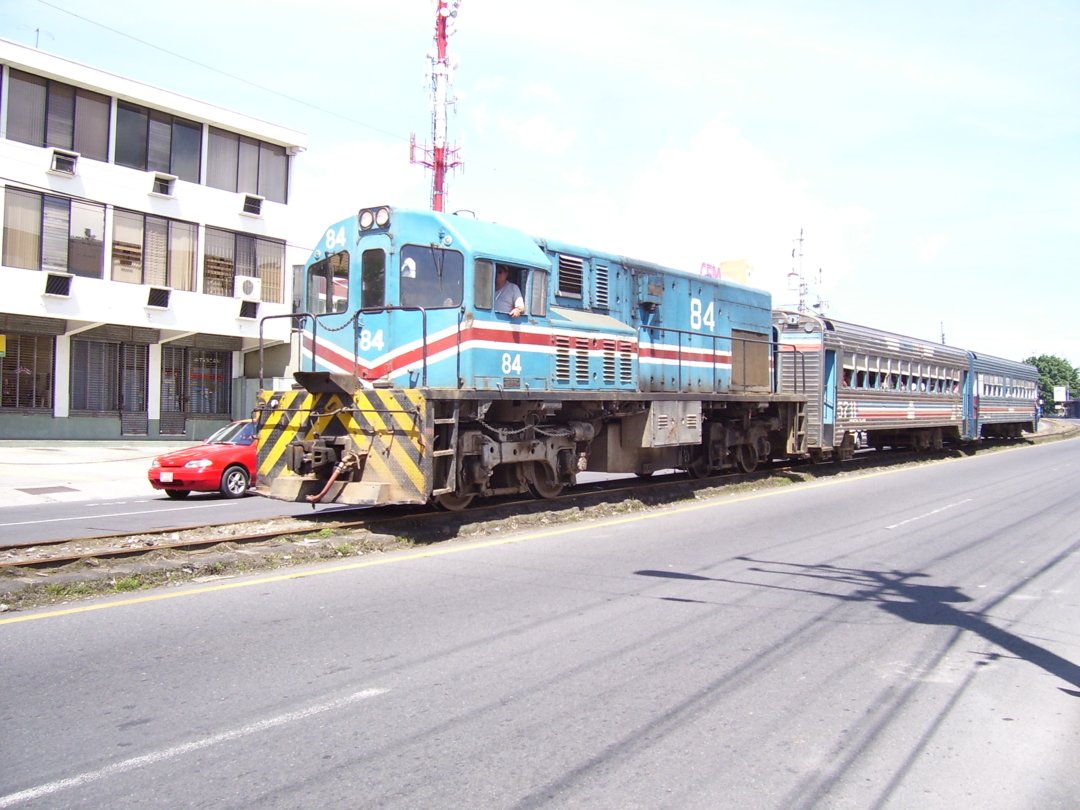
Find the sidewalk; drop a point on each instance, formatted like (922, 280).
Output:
(37, 472)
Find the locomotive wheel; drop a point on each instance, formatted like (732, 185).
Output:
(541, 480)
(746, 456)
(452, 502)
(698, 467)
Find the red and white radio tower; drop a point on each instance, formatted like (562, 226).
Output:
(439, 157)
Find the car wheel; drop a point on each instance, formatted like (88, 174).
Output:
(177, 494)
(234, 482)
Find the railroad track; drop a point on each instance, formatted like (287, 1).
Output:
(419, 525)
(414, 524)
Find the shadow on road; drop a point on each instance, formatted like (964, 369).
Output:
(900, 594)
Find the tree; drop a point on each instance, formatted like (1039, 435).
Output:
(1054, 370)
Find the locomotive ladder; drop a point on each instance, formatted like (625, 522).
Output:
(799, 437)
(451, 472)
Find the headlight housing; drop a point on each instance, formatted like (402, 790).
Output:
(199, 464)
(370, 218)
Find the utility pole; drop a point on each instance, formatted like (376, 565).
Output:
(439, 157)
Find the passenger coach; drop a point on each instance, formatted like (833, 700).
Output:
(1003, 398)
(894, 390)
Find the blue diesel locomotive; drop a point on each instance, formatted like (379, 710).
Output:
(417, 388)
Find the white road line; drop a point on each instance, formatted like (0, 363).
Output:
(114, 514)
(928, 514)
(170, 753)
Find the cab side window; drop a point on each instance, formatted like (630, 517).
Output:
(537, 295)
(328, 285)
(484, 283)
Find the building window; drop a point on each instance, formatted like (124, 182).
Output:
(44, 232)
(153, 250)
(42, 112)
(196, 381)
(238, 163)
(108, 377)
(26, 373)
(230, 254)
(154, 141)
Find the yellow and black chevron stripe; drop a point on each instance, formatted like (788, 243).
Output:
(388, 427)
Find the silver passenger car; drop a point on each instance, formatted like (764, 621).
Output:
(893, 390)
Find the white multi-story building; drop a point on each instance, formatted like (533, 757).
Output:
(144, 240)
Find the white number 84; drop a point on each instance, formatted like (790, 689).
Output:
(511, 363)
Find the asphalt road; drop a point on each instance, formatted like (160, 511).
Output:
(904, 639)
(40, 523)
(149, 511)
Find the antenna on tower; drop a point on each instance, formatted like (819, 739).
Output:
(797, 281)
(439, 157)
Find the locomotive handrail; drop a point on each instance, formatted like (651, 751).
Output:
(300, 318)
(798, 370)
(423, 332)
(714, 339)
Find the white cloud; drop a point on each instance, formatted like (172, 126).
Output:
(538, 134)
(713, 197)
(928, 249)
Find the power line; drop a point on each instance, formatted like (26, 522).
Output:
(233, 76)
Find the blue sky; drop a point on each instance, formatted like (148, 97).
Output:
(928, 151)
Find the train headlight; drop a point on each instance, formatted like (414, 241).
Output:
(374, 218)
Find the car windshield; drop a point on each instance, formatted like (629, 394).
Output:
(236, 433)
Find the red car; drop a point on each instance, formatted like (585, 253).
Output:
(225, 463)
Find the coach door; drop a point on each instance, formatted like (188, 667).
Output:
(828, 398)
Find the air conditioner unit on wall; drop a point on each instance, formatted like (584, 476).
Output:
(63, 162)
(58, 285)
(252, 205)
(247, 288)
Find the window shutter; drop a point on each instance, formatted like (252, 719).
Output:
(54, 243)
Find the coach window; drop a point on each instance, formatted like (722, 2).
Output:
(431, 277)
(373, 279)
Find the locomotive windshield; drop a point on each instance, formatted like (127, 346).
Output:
(431, 277)
(373, 279)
